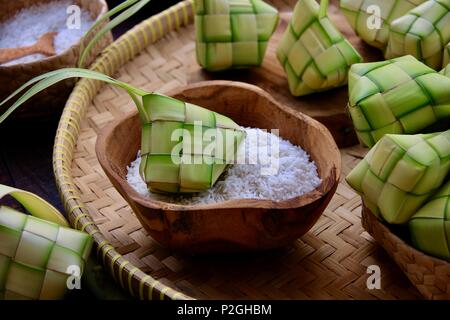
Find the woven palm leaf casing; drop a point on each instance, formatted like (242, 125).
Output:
(446, 61)
(400, 173)
(430, 226)
(356, 12)
(233, 33)
(401, 95)
(314, 54)
(35, 256)
(423, 32)
(185, 148)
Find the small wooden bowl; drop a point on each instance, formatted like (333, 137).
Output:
(235, 225)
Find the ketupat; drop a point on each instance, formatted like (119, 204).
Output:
(400, 173)
(401, 95)
(423, 33)
(363, 21)
(38, 256)
(165, 116)
(430, 226)
(314, 54)
(185, 148)
(233, 33)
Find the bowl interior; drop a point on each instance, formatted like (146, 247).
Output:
(8, 9)
(247, 105)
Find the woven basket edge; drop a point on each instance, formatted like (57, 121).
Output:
(382, 234)
(137, 282)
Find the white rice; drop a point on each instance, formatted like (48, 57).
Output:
(29, 24)
(297, 175)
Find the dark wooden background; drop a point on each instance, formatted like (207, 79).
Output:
(26, 147)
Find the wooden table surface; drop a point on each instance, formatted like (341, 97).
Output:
(26, 147)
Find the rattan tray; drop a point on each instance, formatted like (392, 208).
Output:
(330, 262)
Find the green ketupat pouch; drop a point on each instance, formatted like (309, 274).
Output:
(423, 32)
(397, 96)
(430, 226)
(314, 54)
(37, 256)
(233, 33)
(400, 173)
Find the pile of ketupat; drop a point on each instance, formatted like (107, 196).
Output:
(406, 27)
(235, 34)
(404, 177)
(39, 256)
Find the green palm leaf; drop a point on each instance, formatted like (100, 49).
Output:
(136, 5)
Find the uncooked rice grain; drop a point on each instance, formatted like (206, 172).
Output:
(30, 23)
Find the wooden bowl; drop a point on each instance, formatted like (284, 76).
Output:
(235, 225)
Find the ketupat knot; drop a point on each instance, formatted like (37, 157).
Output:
(400, 172)
(430, 226)
(397, 96)
(313, 52)
(233, 33)
(423, 32)
(359, 13)
(175, 140)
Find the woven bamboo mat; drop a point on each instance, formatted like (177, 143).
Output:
(329, 262)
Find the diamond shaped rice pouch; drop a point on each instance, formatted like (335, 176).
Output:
(233, 33)
(400, 95)
(401, 172)
(423, 32)
(430, 226)
(314, 54)
(38, 256)
(185, 148)
(370, 19)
